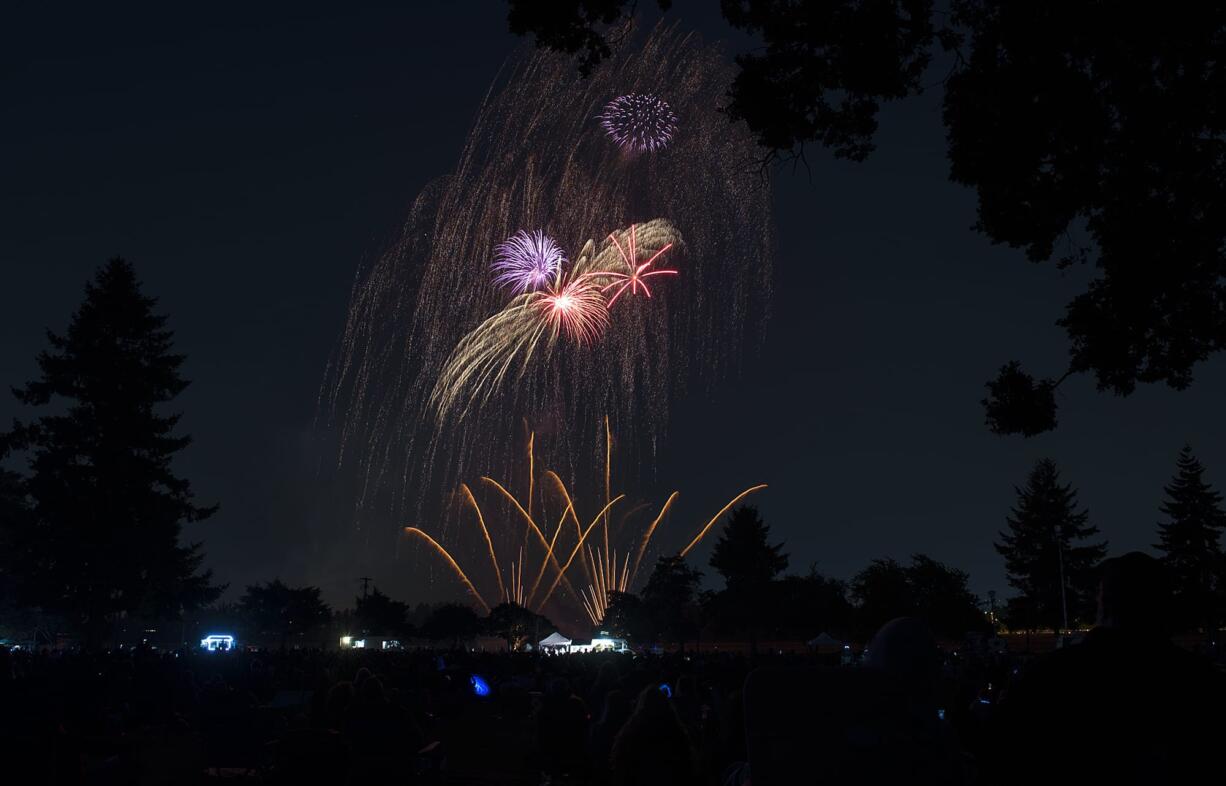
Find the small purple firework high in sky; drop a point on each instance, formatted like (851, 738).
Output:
(526, 261)
(639, 122)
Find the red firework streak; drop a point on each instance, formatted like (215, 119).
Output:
(634, 280)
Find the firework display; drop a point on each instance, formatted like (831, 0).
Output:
(574, 306)
(527, 261)
(635, 276)
(552, 278)
(640, 122)
(607, 568)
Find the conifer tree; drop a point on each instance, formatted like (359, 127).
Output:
(749, 564)
(743, 555)
(102, 537)
(1047, 558)
(1190, 541)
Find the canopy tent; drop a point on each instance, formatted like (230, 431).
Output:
(824, 640)
(554, 640)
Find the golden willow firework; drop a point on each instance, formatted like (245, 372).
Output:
(438, 354)
(608, 556)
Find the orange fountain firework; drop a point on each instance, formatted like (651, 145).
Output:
(608, 568)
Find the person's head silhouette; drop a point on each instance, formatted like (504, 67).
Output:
(905, 649)
(1133, 593)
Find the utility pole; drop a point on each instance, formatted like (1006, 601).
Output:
(1063, 583)
(365, 584)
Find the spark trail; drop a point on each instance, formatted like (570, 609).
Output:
(612, 567)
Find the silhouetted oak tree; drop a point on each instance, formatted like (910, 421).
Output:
(517, 625)
(926, 588)
(800, 607)
(881, 593)
(825, 68)
(1047, 558)
(627, 617)
(451, 622)
(943, 599)
(380, 615)
(290, 615)
(1190, 540)
(576, 27)
(106, 509)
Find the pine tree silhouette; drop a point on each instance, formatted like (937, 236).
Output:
(743, 556)
(1190, 541)
(106, 507)
(749, 563)
(1046, 557)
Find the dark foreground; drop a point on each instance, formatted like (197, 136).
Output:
(1118, 706)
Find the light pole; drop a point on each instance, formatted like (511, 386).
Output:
(1063, 592)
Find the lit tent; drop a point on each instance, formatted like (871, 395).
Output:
(554, 641)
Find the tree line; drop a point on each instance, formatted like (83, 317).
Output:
(758, 604)
(274, 614)
(91, 533)
(1051, 553)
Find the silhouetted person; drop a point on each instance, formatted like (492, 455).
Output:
(613, 716)
(340, 696)
(606, 680)
(562, 728)
(653, 748)
(914, 735)
(873, 725)
(1124, 706)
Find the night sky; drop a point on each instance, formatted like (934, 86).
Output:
(248, 161)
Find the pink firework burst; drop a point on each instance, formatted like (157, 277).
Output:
(577, 308)
(636, 279)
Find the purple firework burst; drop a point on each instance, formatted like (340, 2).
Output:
(527, 261)
(639, 121)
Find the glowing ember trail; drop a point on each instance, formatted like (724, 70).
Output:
(450, 561)
(698, 538)
(468, 494)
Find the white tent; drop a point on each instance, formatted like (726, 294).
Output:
(824, 640)
(555, 641)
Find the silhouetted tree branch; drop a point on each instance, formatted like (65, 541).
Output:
(1063, 120)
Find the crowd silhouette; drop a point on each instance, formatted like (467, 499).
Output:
(1124, 705)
